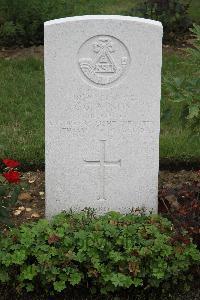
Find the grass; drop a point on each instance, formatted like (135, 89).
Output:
(22, 110)
(194, 11)
(22, 113)
(103, 7)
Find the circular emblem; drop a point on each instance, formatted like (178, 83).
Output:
(103, 59)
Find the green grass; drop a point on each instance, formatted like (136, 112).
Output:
(22, 113)
(22, 110)
(194, 11)
(102, 6)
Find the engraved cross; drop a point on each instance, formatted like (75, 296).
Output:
(102, 163)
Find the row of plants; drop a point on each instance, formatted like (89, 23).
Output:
(103, 254)
(21, 21)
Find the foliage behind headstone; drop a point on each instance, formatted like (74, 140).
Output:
(186, 88)
(172, 13)
(21, 21)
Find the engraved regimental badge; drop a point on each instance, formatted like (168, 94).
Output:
(103, 59)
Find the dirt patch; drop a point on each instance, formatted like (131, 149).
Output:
(35, 51)
(38, 51)
(175, 179)
(31, 205)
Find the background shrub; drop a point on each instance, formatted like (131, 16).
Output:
(185, 89)
(21, 21)
(106, 253)
(172, 13)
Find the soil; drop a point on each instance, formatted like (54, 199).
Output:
(175, 179)
(38, 51)
(20, 52)
(31, 204)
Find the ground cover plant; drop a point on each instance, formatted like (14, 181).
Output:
(106, 253)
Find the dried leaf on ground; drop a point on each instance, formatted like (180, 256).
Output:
(172, 201)
(24, 196)
(35, 215)
(17, 212)
(28, 209)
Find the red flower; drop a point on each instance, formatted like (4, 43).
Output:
(10, 163)
(12, 176)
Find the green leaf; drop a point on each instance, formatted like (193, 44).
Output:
(115, 256)
(29, 287)
(137, 282)
(2, 179)
(4, 277)
(18, 257)
(120, 280)
(75, 278)
(15, 194)
(178, 99)
(29, 272)
(59, 286)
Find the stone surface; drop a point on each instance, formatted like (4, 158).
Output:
(103, 81)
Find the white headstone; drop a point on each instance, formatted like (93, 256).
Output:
(103, 86)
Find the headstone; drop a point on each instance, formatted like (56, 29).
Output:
(103, 87)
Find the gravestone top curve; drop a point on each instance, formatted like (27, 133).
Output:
(104, 17)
